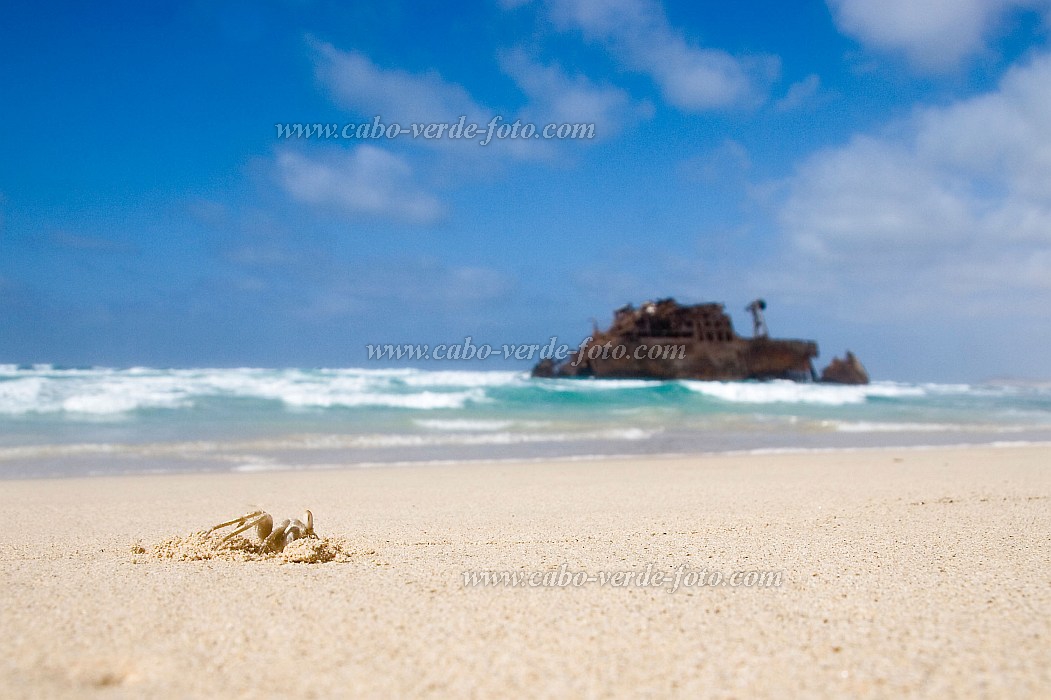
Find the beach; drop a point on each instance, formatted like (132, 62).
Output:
(920, 572)
(636, 349)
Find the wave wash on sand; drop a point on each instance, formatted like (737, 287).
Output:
(61, 422)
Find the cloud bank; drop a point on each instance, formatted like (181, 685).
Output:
(953, 212)
(363, 181)
(692, 78)
(933, 35)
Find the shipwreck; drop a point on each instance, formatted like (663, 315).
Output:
(667, 340)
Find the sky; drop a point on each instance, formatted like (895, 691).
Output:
(879, 173)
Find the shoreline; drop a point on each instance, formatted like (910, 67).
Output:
(307, 467)
(915, 574)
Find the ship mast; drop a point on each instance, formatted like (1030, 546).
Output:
(759, 329)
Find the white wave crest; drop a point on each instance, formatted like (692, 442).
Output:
(90, 396)
(460, 378)
(464, 425)
(586, 385)
(793, 392)
(423, 400)
(112, 392)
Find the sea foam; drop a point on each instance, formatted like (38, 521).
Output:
(794, 392)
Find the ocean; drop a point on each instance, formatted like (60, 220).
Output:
(57, 422)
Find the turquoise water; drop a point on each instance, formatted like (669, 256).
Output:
(57, 422)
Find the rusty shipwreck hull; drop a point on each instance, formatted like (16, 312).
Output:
(666, 340)
(736, 359)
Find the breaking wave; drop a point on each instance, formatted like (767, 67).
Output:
(793, 392)
(56, 420)
(43, 389)
(109, 392)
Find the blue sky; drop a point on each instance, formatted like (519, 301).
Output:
(879, 172)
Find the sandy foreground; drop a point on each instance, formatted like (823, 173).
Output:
(917, 572)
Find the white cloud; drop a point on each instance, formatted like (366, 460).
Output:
(952, 214)
(727, 162)
(690, 77)
(363, 181)
(934, 35)
(397, 96)
(799, 94)
(369, 180)
(556, 97)
(400, 97)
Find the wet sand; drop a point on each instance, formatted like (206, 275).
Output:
(916, 572)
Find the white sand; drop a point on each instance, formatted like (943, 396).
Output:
(905, 572)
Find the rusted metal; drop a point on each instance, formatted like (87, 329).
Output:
(846, 371)
(667, 340)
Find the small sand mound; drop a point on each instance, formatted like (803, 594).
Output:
(204, 545)
(315, 551)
